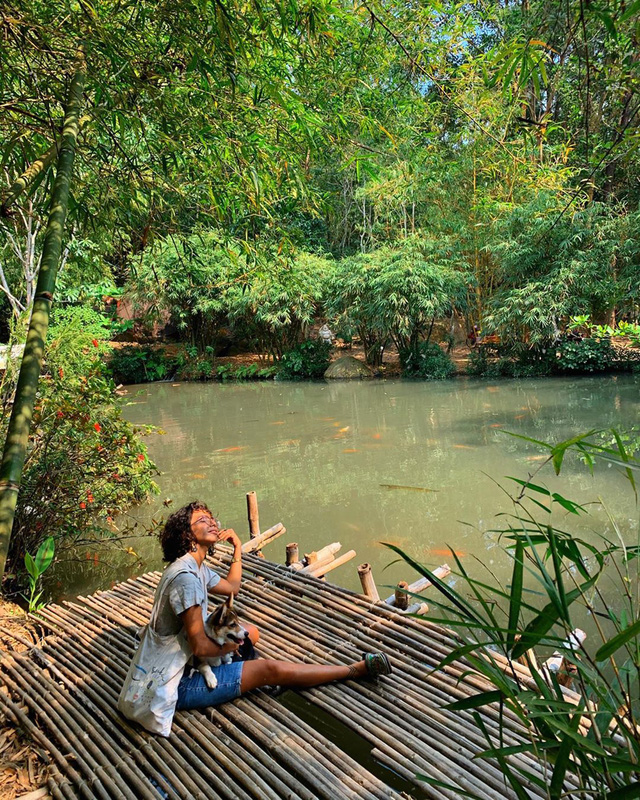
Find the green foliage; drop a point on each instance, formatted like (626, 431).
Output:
(555, 577)
(307, 360)
(586, 355)
(141, 364)
(273, 307)
(187, 281)
(85, 463)
(246, 372)
(35, 568)
(524, 363)
(428, 361)
(396, 293)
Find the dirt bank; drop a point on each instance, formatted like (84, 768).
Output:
(22, 768)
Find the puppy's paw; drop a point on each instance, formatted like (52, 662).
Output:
(209, 678)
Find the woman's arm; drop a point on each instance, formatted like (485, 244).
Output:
(201, 645)
(231, 584)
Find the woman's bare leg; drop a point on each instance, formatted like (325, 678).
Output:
(264, 672)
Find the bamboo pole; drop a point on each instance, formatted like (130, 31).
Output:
(30, 177)
(313, 562)
(328, 550)
(423, 583)
(266, 537)
(252, 514)
(401, 598)
(320, 569)
(22, 411)
(293, 555)
(369, 588)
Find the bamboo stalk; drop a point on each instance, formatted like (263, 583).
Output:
(30, 177)
(401, 598)
(320, 570)
(313, 562)
(264, 538)
(293, 555)
(328, 550)
(252, 515)
(15, 446)
(369, 588)
(422, 584)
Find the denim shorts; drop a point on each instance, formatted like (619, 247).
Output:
(193, 692)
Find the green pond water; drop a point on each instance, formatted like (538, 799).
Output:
(414, 463)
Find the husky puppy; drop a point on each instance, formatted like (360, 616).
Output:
(223, 626)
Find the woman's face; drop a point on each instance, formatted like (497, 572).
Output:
(204, 528)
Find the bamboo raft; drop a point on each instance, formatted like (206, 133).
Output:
(64, 694)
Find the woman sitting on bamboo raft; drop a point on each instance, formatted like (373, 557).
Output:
(160, 679)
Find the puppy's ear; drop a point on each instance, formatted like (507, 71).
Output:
(229, 601)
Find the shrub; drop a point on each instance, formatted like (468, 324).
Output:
(85, 462)
(396, 293)
(585, 355)
(428, 361)
(497, 626)
(245, 372)
(141, 365)
(307, 360)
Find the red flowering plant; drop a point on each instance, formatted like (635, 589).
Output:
(85, 462)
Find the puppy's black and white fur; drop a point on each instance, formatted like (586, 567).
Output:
(223, 626)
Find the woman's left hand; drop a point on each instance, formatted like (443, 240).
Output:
(229, 535)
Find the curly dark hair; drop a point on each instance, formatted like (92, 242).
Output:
(176, 537)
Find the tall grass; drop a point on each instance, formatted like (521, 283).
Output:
(588, 736)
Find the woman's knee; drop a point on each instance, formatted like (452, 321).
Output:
(263, 672)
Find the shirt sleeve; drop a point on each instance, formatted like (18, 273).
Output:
(213, 579)
(185, 591)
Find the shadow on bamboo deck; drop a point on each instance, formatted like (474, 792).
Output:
(65, 691)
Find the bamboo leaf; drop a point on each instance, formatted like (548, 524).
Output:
(482, 699)
(618, 641)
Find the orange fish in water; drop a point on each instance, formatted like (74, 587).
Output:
(496, 425)
(236, 482)
(350, 450)
(537, 458)
(446, 551)
(344, 430)
(197, 476)
(279, 422)
(352, 526)
(377, 436)
(520, 416)
(326, 419)
(493, 388)
(232, 449)
(174, 384)
(464, 447)
(336, 424)
(290, 442)
(184, 460)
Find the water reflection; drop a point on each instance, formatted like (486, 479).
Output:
(333, 462)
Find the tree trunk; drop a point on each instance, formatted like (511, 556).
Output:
(30, 177)
(18, 431)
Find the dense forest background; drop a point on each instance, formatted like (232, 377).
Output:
(258, 165)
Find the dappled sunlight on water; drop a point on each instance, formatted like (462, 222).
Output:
(417, 464)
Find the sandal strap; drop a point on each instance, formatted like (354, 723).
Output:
(377, 664)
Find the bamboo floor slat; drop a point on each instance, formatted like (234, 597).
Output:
(64, 693)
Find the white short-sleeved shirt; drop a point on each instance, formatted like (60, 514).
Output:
(187, 589)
